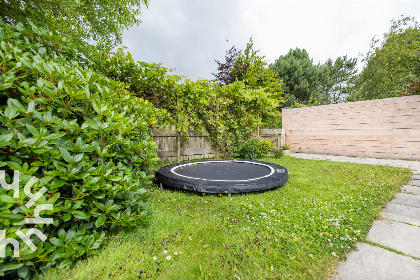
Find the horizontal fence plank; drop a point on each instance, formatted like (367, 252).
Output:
(193, 145)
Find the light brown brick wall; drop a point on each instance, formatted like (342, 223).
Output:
(382, 128)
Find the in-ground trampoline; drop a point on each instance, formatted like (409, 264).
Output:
(223, 176)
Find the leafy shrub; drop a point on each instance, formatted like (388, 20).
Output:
(277, 153)
(229, 114)
(265, 147)
(247, 149)
(285, 147)
(83, 137)
(253, 149)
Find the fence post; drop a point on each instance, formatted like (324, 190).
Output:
(258, 128)
(178, 135)
(217, 136)
(283, 137)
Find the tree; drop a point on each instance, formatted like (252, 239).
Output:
(246, 66)
(82, 21)
(250, 68)
(301, 78)
(229, 71)
(391, 65)
(338, 79)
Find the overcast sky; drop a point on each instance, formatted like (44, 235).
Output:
(188, 35)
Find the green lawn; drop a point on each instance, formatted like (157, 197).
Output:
(299, 231)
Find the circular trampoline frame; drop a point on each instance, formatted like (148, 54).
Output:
(276, 177)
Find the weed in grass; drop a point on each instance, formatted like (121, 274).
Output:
(299, 231)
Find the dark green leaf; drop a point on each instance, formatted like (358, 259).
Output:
(100, 221)
(57, 242)
(64, 263)
(81, 215)
(57, 254)
(6, 267)
(70, 235)
(23, 271)
(66, 155)
(32, 130)
(10, 216)
(8, 199)
(66, 217)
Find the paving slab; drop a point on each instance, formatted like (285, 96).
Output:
(411, 189)
(416, 177)
(414, 183)
(399, 236)
(402, 213)
(376, 263)
(407, 199)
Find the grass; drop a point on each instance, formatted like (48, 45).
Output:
(299, 231)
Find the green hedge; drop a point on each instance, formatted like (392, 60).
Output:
(84, 138)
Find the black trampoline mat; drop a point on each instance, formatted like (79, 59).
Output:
(227, 171)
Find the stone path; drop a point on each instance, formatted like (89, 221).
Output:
(399, 230)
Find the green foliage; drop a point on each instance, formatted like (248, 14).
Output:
(301, 78)
(82, 21)
(272, 120)
(149, 81)
(308, 84)
(84, 138)
(285, 147)
(338, 81)
(253, 149)
(229, 114)
(265, 147)
(247, 149)
(277, 153)
(250, 68)
(391, 65)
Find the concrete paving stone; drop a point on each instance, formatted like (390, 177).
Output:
(402, 237)
(402, 213)
(375, 263)
(415, 165)
(414, 182)
(407, 199)
(416, 177)
(411, 189)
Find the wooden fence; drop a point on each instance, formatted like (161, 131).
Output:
(171, 147)
(275, 136)
(383, 128)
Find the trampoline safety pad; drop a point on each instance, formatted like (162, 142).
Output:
(223, 176)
